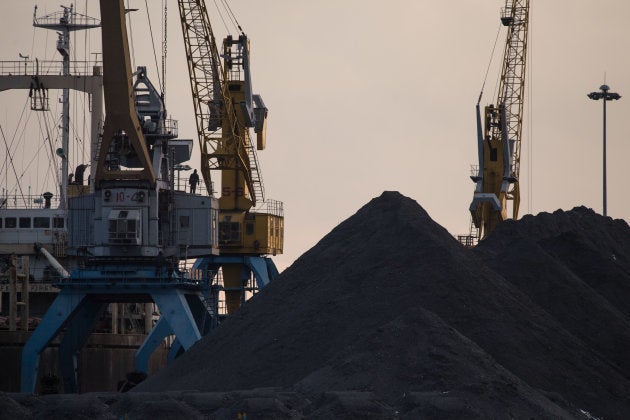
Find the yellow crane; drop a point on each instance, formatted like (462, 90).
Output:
(499, 140)
(225, 110)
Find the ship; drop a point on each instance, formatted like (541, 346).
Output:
(34, 234)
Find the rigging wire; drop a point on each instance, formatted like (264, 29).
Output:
(56, 173)
(10, 146)
(12, 163)
(232, 16)
(33, 42)
(221, 16)
(30, 162)
(485, 78)
(53, 172)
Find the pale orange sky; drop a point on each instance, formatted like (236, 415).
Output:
(368, 96)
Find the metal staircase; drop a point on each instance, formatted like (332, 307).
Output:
(257, 182)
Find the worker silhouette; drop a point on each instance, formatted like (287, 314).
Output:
(193, 181)
(78, 174)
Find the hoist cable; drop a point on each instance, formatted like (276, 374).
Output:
(485, 78)
(130, 32)
(232, 15)
(164, 49)
(221, 16)
(157, 68)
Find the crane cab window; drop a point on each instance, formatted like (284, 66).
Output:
(229, 232)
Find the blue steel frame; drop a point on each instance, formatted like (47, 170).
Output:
(264, 271)
(83, 296)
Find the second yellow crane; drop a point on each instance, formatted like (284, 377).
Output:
(499, 140)
(226, 109)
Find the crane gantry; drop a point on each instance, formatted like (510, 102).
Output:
(499, 141)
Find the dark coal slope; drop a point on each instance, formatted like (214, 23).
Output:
(575, 265)
(451, 375)
(387, 261)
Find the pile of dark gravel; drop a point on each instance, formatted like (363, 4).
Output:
(389, 316)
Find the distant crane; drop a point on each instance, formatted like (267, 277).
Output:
(499, 141)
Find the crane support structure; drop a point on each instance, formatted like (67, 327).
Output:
(134, 228)
(499, 140)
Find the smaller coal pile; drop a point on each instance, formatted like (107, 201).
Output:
(388, 304)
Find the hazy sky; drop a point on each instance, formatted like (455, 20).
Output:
(368, 96)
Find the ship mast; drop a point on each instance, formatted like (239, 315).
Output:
(64, 23)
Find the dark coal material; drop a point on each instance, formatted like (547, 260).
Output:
(256, 404)
(389, 317)
(388, 302)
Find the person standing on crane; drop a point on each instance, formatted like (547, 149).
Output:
(193, 181)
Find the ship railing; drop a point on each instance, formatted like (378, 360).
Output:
(62, 17)
(27, 201)
(132, 276)
(170, 127)
(269, 206)
(181, 184)
(36, 67)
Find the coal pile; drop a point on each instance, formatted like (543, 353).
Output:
(388, 316)
(389, 303)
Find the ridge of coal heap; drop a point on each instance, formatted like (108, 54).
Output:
(530, 323)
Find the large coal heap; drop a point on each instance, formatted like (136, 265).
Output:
(388, 302)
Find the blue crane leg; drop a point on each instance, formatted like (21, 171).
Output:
(272, 269)
(258, 266)
(176, 350)
(61, 310)
(264, 270)
(174, 308)
(78, 329)
(159, 332)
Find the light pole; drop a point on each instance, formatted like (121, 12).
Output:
(606, 96)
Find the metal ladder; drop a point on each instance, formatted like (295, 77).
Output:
(257, 182)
